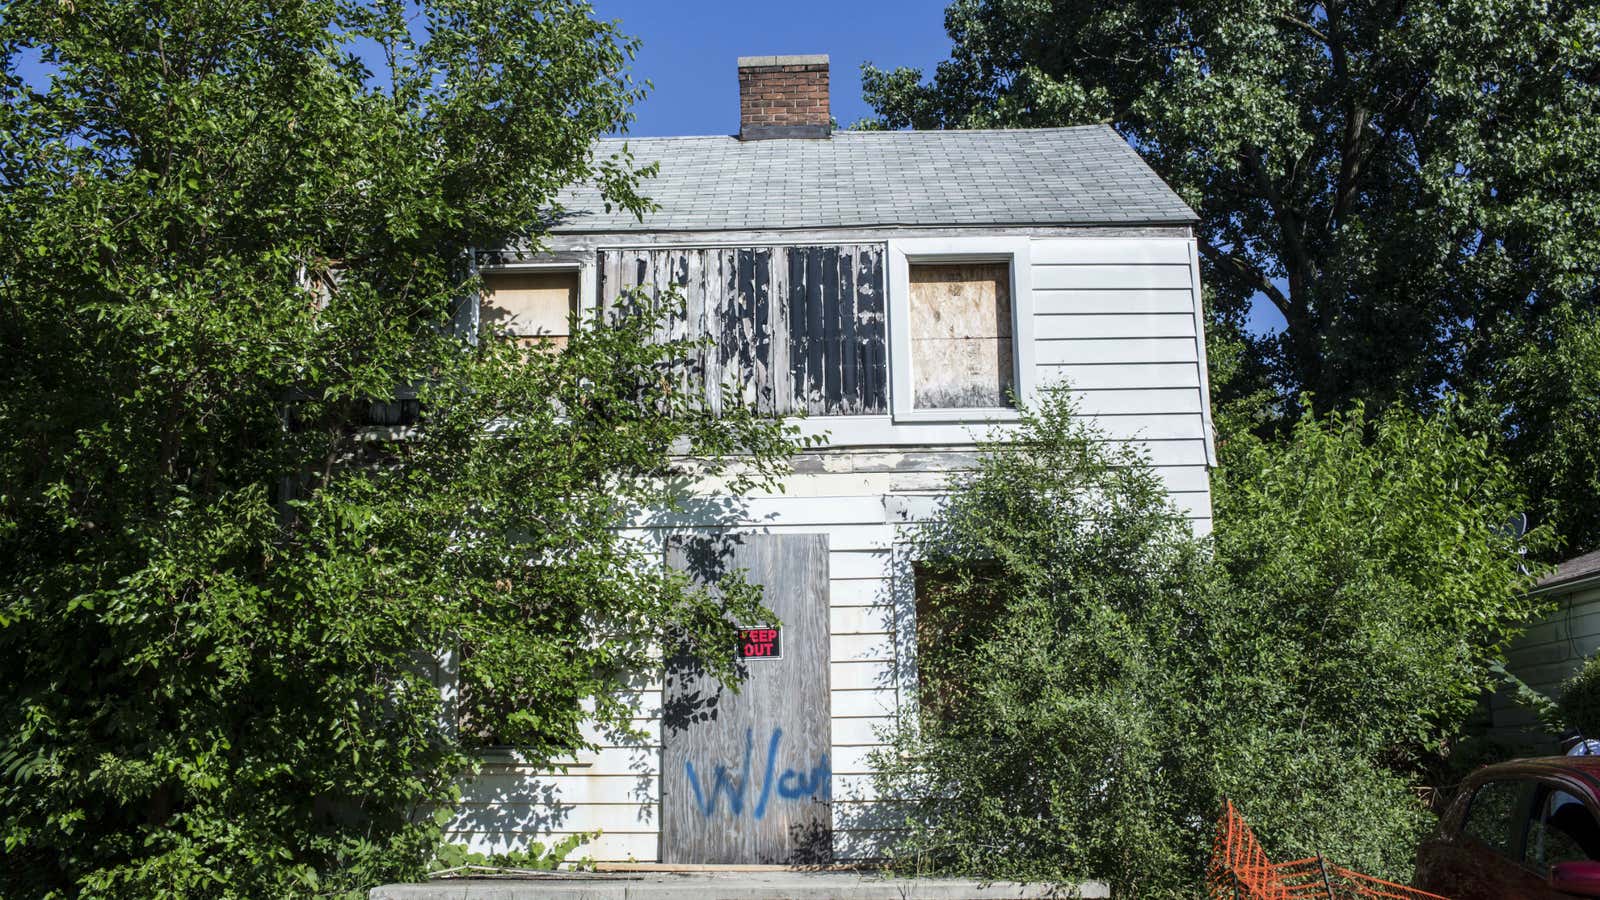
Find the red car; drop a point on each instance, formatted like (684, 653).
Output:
(1522, 830)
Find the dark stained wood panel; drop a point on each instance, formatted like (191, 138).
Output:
(746, 777)
(797, 329)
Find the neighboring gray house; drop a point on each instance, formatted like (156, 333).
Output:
(898, 288)
(1553, 650)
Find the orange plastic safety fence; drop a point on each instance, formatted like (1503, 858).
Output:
(1240, 870)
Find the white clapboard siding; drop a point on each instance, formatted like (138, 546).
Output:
(609, 847)
(555, 817)
(1124, 251)
(862, 647)
(858, 592)
(859, 563)
(836, 484)
(860, 620)
(879, 815)
(1107, 325)
(1069, 302)
(645, 702)
(616, 761)
(840, 537)
(1102, 277)
(1135, 401)
(853, 760)
(649, 734)
(863, 732)
(516, 787)
(1105, 351)
(854, 787)
(864, 704)
(1135, 376)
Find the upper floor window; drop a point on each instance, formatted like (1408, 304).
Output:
(533, 306)
(961, 328)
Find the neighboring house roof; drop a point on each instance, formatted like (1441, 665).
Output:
(1086, 175)
(1578, 568)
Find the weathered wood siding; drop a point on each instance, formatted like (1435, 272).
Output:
(797, 329)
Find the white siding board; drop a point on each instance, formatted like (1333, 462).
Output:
(862, 732)
(547, 817)
(1102, 277)
(1152, 325)
(566, 789)
(844, 620)
(1121, 376)
(854, 787)
(853, 760)
(609, 847)
(860, 563)
(1134, 401)
(864, 845)
(1122, 251)
(1102, 351)
(1081, 302)
(864, 704)
(858, 592)
(862, 647)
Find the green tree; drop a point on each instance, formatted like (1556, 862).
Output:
(1094, 678)
(1415, 187)
(222, 237)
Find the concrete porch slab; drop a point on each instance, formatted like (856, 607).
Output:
(726, 885)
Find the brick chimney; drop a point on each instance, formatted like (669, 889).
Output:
(783, 97)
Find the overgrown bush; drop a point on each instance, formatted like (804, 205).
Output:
(1579, 702)
(1094, 678)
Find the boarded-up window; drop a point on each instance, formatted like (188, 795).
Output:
(530, 305)
(957, 608)
(961, 353)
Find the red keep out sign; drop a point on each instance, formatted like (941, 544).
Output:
(760, 643)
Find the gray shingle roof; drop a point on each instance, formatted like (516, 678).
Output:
(1577, 568)
(1086, 175)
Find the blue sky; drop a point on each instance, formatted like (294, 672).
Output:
(691, 48)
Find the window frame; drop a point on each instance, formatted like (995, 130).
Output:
(587, 296)
(1014, 250)
(1536, 817)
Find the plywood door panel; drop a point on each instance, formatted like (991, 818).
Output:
(746, 776)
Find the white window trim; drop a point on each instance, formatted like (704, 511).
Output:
(902, 253)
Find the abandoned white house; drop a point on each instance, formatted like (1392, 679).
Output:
(898, 288)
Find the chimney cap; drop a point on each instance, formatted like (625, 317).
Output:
(799, 59)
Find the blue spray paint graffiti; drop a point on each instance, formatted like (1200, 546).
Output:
(791, 785)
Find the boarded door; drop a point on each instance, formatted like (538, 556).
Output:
(746, 777)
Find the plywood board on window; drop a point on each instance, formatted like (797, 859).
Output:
(530, 305)
(961, 335)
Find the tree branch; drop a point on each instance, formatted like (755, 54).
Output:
(1247, 271)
